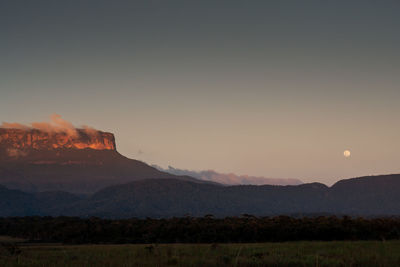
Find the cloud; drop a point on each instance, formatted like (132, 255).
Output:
(55, 125)
(14, 125)
(230, 178)
(90, 130)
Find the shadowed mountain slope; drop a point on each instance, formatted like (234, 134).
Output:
(166, 198)
(371, 195)
(368, 196)
(76, 171)
(375, 195)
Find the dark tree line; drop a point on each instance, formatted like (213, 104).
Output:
(207, 229)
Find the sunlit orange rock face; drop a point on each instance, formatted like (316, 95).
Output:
(17, 140)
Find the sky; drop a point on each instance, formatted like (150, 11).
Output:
(265, 88)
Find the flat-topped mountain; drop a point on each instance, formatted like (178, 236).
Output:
(17, 141)
(75, 160)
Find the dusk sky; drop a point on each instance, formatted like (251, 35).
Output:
(267, 88)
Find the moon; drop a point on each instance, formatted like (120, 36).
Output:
(347, 153)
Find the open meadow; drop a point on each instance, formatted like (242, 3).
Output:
(307, 253)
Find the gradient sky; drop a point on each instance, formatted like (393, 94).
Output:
(272, 88)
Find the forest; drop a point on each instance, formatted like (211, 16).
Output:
(207, 229)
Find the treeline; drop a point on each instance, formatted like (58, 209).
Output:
(73, 230)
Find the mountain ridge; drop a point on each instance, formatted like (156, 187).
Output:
(162, 198)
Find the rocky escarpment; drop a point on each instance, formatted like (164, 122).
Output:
(67, 159)
(17, 141)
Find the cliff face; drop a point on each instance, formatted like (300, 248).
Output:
(74, 160)
(19, 140)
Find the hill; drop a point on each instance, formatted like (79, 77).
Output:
(366, 196)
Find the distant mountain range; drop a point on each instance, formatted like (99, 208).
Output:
(80, 173)
(365, 196)
(230, 178)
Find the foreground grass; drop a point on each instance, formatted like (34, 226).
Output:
(360, 253)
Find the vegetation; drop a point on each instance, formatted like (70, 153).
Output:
(244, 229)
(232, 241)
(336, 253)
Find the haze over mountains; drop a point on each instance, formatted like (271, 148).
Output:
(60, 170)
(230, 178)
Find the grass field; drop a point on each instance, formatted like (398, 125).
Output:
(360, 253)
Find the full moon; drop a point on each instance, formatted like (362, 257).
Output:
(346, 153)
